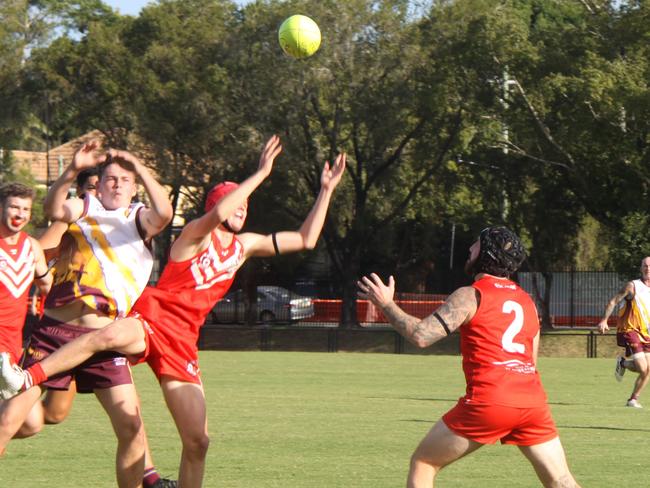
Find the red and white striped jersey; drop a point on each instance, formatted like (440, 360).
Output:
(17, 264)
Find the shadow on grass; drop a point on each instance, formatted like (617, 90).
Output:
(416, 399)
(593, 427)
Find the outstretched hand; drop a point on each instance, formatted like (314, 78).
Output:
(331, 176)
(86, 156)
(373, 289)
(271, 151)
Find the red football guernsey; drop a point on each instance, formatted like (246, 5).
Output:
(497, 347)
(187, 290)
(17, 263)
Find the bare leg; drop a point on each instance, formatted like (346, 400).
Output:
(13, 414)
(550, 464)
(439, 448)
(33, 424)
(186, 402)
(122, 406)
(58, 403)
(641, 364)
(125, 336)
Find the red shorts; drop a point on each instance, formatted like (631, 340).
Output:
(511, 425)
(103, 370)
(631, 341)
(166, 354)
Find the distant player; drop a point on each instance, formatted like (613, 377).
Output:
(499, 330)
(21, 263)
(632, 330)
(163, 328)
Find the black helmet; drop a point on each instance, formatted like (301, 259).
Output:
(501, 252)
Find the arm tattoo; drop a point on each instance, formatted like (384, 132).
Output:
(446, 319)
(422, 333)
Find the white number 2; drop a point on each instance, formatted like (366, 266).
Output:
(507, 341)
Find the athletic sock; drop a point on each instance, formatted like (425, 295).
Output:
(34, 375)
(150, 477)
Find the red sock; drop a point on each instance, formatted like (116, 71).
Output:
(35, 375)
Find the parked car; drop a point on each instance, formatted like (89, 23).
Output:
(274, 305)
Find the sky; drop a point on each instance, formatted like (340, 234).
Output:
(133, 7)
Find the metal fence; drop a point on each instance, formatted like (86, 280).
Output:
(572, 299)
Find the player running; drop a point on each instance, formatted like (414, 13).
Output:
(499, 330)
(163, 327)
(632, 331)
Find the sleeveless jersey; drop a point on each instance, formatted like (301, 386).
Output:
(102, 261)
(17, 264)
(636, 313)
(497, 347)
(187, 290)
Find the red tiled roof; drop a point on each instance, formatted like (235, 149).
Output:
(46, 167)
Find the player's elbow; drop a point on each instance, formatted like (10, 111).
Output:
(309, 244)
(165, 214)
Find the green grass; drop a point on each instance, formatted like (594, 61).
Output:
(298, 420)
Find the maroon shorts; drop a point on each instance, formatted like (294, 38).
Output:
(632, 342)
(103, 370)
(510, 425)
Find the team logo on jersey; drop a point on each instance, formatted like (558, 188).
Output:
(3, 263)
(205, 262)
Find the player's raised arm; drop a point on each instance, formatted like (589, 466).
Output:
(307, 236)
(459, 308)
(627, 292)
(56, 205)
(42, 275)
(199, 229)
(156, 217)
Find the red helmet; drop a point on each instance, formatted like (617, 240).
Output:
(219, 191)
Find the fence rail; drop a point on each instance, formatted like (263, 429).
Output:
(304, 336)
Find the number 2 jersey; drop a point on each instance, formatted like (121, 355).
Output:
(497, 347)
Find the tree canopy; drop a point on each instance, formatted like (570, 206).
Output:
(455, 114)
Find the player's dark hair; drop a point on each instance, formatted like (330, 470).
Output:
(502, 252)
(15, 189)
(84, 175)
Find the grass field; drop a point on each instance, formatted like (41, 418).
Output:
(299, 420)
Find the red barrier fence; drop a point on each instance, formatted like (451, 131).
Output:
(330, 310)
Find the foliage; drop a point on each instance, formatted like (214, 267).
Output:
(454, 114)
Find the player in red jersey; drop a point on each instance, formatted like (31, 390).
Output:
(163, 327)
(499, 330)
(21, 263)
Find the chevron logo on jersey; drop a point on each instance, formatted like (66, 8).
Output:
(17, 272)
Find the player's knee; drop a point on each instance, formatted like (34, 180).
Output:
(197, 445)
(106, 339)
(28, 429)
(419, 464)
(131, 429)
(55, 416)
